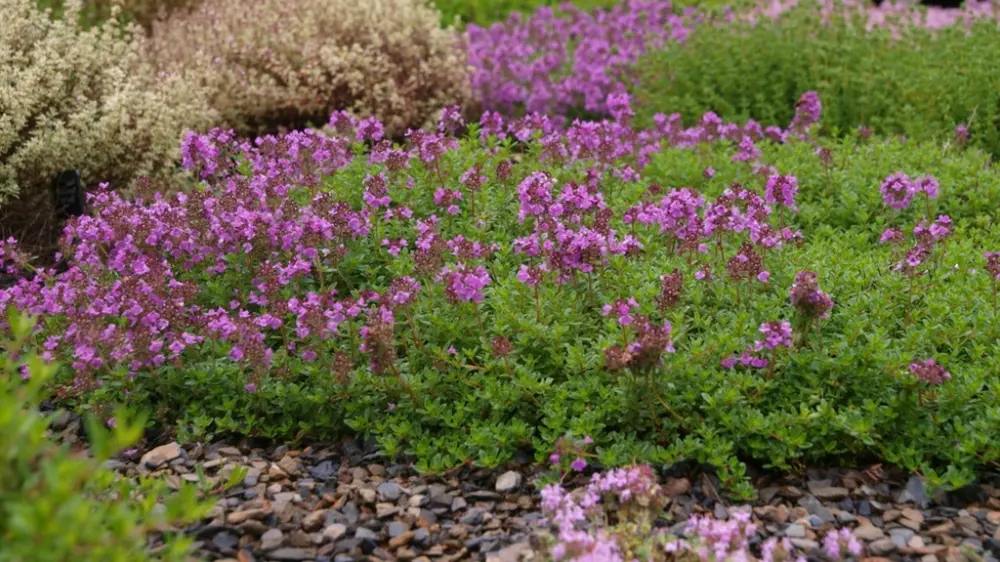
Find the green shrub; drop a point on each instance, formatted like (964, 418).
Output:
(921, 85)
(56, 505)
(485, 12)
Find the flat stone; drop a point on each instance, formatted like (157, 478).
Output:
(831, 493)
(401, 540)
(389, 491)
(795, 531)
(882, 547)
(869, 533)
(909, 523)
(913, 515)
(334, 532)
(397, 528)
(293, 554)
(900, 536)
(314, 520)
(230, 452)
(458, 503)
(289, 464)
(915, 492)
(161, 455)
(814, 507)
(805, 545)
(368, 495)
(238, 517)
(272, 539)
(508, 482)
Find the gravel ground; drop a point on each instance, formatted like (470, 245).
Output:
(343, 503)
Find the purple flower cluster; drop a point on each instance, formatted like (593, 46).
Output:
(929, 371)
(993, 264)
(807, 298)
(465, 284)
(898, 190)
(550, 63)
(632, 496)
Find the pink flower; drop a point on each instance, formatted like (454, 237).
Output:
(578, 465)
(897, 191)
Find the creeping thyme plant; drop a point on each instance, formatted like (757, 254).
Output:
(613, 520)
(720, 293)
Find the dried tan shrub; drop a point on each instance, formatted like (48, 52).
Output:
(290, 63)
(85, 99)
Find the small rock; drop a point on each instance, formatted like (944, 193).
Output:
(882, 547)
(289, 464)
(473, 517)
(814, 507)
(913, 515)
(238, 517)
(795, 531)
(225, 542)
(831, 493)
(805, 545)
(914, 492)
(508, 482)
(334, 532)
(293, 554)
(909, 523)
(324, 470)
(401, 539)
(254, 527)
(869, 533)
(299, 539)
(161, 455)
(900, 536)
(458, 503)
(314, 520)
(253, 475)
(389, 491)
(230, 452)
(272, 539)
(397, 528)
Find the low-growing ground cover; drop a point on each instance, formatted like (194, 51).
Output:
(700, 294)
(897, 71)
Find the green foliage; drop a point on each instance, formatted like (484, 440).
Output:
(920, 85)
(847, 393)
(485, 12)
(57, 505)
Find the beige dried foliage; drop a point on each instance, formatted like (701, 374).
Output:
(85, 99)
(289, 63)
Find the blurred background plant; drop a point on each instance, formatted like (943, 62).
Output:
(57, 504)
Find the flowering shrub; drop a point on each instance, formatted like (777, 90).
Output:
(387, 58)
(897, 69)
(83, 99)
(460, 298)
(613, 521)
(60, 506)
